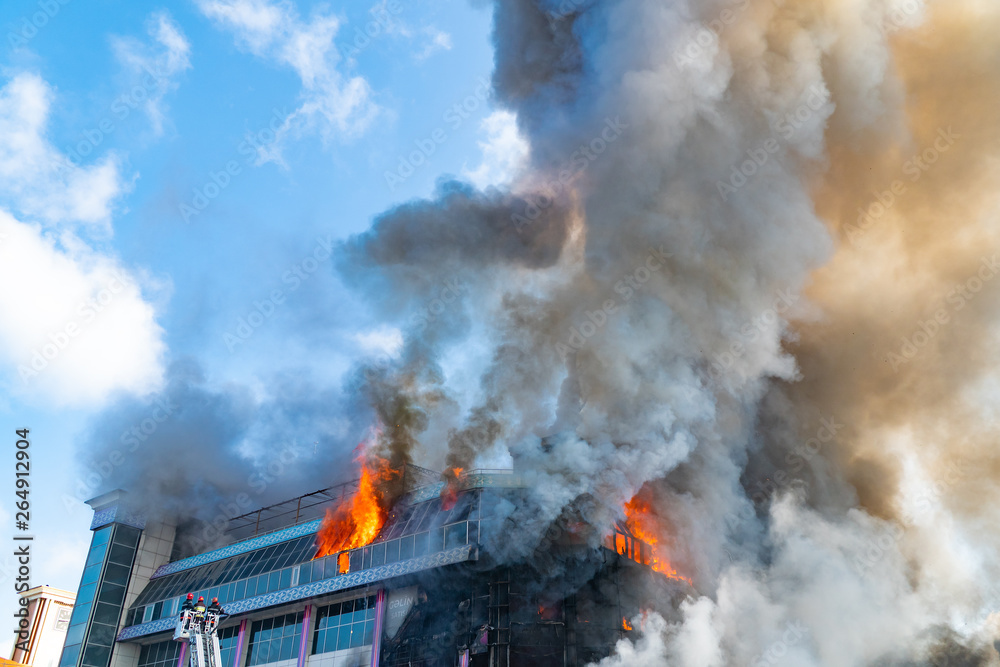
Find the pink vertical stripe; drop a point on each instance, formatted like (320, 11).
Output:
(183, 654)
(239, 643)
(304, 643)
(377, 635)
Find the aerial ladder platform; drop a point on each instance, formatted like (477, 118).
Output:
(198, 628)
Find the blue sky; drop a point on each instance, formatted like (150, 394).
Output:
(181, 167)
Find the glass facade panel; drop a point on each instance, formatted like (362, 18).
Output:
(121, 554)
(163, 654)
(216, 575)
(96, 656)
(269, 636)
(455, 535)
(91, 574)
(227, 644)
(415, 531)
(344, 625)
(106, 613)
(91, 632)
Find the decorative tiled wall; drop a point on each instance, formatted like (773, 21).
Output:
(117, 514)
(322, 587)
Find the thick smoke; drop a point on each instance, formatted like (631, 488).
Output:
(678, 293)
(198, 455)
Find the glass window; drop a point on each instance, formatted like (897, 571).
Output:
(111, 593)
(285, 580)
(122, 554)
(163, 654)
(435, 540)
(270, 638)
(106, 613)
(239, 568)
(455, 535)
(392, 551)
(420, 545)
(101, 535)
(227, 643)
(344, 625)
(406, 547)
(127, 535)
(69, 655)
(344, 637)
(81, 613)
(91, 574)
(96, 554)
(75, 634)
(378, 554)
(86, 593)
(117, 574)
(96, 656)
(100, 634)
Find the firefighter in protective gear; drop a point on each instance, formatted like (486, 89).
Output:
(188, 603)
(199, 606)
(215, 607)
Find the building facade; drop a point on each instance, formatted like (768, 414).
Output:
(49, 610)
(426, 593)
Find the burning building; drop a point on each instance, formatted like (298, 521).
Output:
(678, 284)
(344, 576)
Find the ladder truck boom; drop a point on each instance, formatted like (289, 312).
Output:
(198, 626)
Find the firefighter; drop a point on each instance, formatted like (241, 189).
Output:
(215, 607)
(189, 603)
(199, 607)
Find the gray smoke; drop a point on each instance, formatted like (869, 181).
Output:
(657, 332)
(667, 299)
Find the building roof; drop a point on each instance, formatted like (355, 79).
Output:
(51, 593)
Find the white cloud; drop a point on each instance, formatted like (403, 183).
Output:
(386, 20)
(156, 64)
(74, 327)
(335, 105)
(38, 181)
(85, 352)
(505, 151)
(437, 40)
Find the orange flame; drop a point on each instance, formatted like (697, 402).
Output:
(625, 624)
(638, 520)
(449, 494)
(357, 522)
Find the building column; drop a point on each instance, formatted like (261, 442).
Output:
(379, 619)
(240, 644)
(304, 640)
